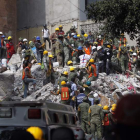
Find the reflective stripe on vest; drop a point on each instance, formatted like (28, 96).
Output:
(23, 74)
(64, 93)
(93, 71)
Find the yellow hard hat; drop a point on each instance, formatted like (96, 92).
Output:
(36, 132)
(91, 60)
(72, 69)
(9, 37)
(45, 52)
(131, 50)
(78, 35)
(63, 83)
(109, 46)
(100, 105)
(60, 26)
(105, 107)
(113, 108)
(50, 56)
(65, 73)
(114, 105)
(56, 29)
(85, 35)
(69, 62)
(30, 42)
(122, 33)
(96, 43)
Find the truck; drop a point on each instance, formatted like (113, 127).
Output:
(46, 115)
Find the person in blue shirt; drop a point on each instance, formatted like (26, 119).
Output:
(80, 96)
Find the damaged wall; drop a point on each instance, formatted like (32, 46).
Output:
(8, 18)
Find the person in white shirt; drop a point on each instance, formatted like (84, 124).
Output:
(46, 35)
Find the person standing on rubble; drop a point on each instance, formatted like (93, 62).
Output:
(3, 44)
(50, 75)
(10, 48)
(95, 119)
(54, 38)
(60, 50)
(64, 77)
(108, 55)
(19, 47)
(40, 49)
(28, 78)
(72, 74)
(65, 93)
(92, 75)
(82, 115)
(45, 61)
(61, 32)
(124, 57)
(46, 34)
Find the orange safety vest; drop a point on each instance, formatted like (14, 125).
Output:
(93, 71)
(124, 39)
(87, 50)
(23, 74)
(65, 94)
(106, 120)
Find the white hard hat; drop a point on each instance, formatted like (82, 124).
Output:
(99, 36)
(134, 54)
(95, 95)
(99, 47)
(25, 40)
(72, 34)
(1, 33)
(94, 47)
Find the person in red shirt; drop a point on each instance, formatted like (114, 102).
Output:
(61, 32)
(10, 48)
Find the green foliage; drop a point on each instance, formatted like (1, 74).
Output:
(119, 16)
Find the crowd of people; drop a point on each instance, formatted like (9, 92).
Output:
(93, 55)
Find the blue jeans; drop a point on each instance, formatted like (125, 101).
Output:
(26, 84)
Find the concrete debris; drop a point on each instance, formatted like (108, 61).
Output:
(110, 87)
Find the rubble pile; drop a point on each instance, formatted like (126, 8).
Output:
(110, 88)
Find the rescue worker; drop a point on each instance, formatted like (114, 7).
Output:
(64, 77)
(45, 61)
(36, 132)
(72, 74)
(32, 44)
(92, 75)
(54, 38)
(67, 48)
(90, 37)
(124, 57)
(19, 47)
(81, 42)
(83, 117)
(95, 119)
(65, 93)
(87, 48)
(134, 62)
(10, 48)
(72, 30)
(123, 40)
(27, 78)
(106, 123)
(3, 45)
(108, 55)
(80, 96)
(76, 54)
(85, 37)
(100, 40)
(46, 35)
(60, 50)
(61, 32)
(70, 63)
(40, 49)
(50, 74)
